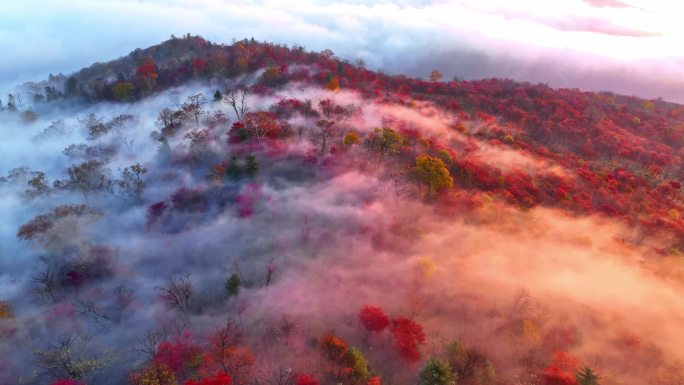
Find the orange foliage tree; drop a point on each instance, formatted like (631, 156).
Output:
(334, 350)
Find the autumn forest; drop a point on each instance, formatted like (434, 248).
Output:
(253, 213)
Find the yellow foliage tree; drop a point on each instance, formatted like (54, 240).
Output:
(384, 141)
(155, 374)
(6, 310)
(123, 91)
(435, 76)
(674, 214)
(445, 157)
(529, 330)
(425, 268)
(351, 138)
(432, 172)
(270, 77)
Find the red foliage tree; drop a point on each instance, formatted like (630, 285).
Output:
(305, 379)
(262, 124)
(154, 212)
(199, 64)
(147, 73)
(287, 107)
(181, 357)
(408, 336)
(373, 318)
(553, 375)
(219, 378)
(238, 133)
(565, 361)
(561, 370)
(247, 199)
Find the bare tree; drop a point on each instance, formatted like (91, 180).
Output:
(117, 124)
(125, 140)
(240, 364)
(242, 309)
(131, 184)
(235, 95)
(169, 120)
(398, 178)
(94, 126)
(223, 341)
(178, 292)
(227, 350)
(524, 306)
(148, 343)
(56, 128)
(261, 124)
(38, 184)
(286, 327)
(194, 106)
(67, 357)
(86, 177)
(471, 361)
(278, 372)
(124, 297)
(270, 269)
(334, 115)
(320, 134)
(47, 281)
(99, 316)
(276, 368)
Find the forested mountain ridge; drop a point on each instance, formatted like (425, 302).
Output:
(630, 144)
(199, 213)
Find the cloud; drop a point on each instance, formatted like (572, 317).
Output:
(568, 43)
(607, 3)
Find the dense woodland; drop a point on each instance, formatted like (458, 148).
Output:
(290, 218)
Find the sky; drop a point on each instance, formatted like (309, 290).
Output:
(627, 46)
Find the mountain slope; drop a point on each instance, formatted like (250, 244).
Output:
(261, 214)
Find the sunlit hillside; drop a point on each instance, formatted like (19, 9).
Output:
(199, 213)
